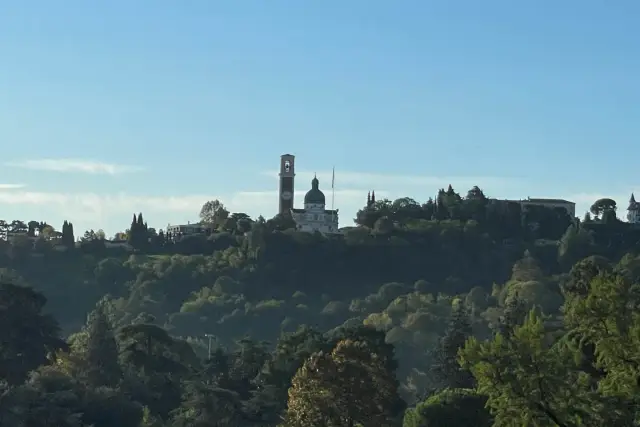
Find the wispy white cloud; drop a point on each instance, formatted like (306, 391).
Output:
(112, 212)
(376, 181)
(11, 186)
(254, 202)
(75, 165)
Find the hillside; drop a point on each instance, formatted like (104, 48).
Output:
(217, 326)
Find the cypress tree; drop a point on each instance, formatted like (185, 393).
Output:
(72, 238)
(67, 234)
(133, 231)
(138, 235)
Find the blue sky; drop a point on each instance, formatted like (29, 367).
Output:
(107, 108)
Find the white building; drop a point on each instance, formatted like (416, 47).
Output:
(314, 217)
(177, 231)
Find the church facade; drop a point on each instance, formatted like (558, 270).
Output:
(313, 217)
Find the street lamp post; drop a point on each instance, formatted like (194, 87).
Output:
(210, 336)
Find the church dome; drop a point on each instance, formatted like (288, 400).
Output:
(314, 196)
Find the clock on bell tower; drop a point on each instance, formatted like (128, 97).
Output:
(287, 175)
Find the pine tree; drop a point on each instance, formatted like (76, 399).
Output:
(102, 351)
(446, 369)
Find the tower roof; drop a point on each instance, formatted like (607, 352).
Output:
(314, 196)
(633, 205)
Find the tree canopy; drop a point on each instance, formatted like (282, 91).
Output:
(459, 311)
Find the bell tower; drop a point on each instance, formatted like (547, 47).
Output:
(287, 175)
(633, 211)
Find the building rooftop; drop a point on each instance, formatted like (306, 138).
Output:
(540, 200)
(326, 211)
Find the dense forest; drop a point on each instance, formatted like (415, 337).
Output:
(463, 311)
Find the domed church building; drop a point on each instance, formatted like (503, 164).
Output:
(314, 217)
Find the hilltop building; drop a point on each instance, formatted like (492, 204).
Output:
(175, 232)
(633, 211)
(525, 204)
(568, 206)
(287, 177)
(313, 216)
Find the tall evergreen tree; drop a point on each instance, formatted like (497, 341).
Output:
(72, 238)
(446, 370)
(138, 232)
(67, 234)
(134, 225)
(102, 351)
(134, 232)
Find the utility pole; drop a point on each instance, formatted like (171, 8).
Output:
(210, 336)
(333, 194)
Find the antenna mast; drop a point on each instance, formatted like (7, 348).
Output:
(333, 193)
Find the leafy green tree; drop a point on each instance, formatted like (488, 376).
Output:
(102, 351)
(608, 317)
(514, 314)
(149, 347)
(154, 365)
(32, 228)
(214, 214)
(530, 381)
(292, 349)
(527, 269)
(383, 225)
(50, 397)
(578, 282)
(601, 206)
(208, 406)
(450, 408)
(576, 244)
(347, 387)
(27, 335)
